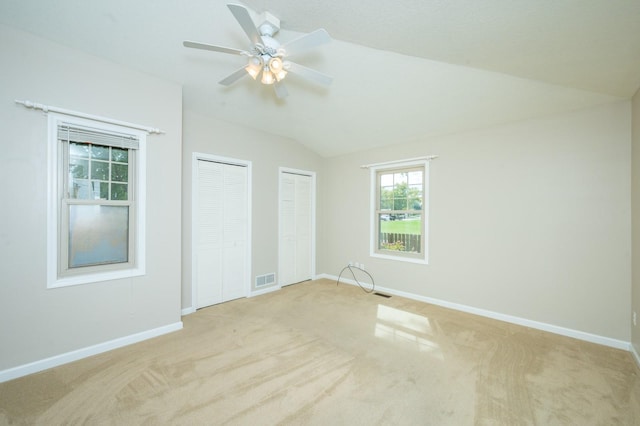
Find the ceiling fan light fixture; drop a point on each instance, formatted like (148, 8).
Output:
(280, 75)
(267, 76)
(266, 58)
(275, 64)
(254, 67)
(277, 68)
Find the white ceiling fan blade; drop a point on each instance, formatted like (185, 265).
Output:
(281, 90)
(241, 14)
(233, 77)
(307, 41)
(204, 46)
(309, 74)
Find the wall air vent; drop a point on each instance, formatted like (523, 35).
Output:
(267, 279)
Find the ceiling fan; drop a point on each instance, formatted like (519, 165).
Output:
(267, 60)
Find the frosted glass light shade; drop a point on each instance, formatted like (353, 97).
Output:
(267, 76)
(253, 67)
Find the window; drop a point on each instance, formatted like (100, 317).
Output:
(399, 205)
(96, 210)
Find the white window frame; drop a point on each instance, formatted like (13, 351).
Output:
(56, 175)
(422, 258)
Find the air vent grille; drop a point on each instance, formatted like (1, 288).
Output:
(267, 279)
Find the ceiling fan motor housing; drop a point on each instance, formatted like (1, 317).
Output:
(271, 45)
(269, 24)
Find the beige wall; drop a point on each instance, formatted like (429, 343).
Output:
(36, 323)
(635, 200)
(530, 220)
(267, 153)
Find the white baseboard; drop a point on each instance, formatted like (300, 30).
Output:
(635, 355)
(327, 277)
(54, 361)
(264, 291)
(188, 311)
(576, 334)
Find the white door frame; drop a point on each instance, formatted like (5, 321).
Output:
(200, 156)
(312, 175)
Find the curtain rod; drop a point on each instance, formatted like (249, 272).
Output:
(46, 108)
(427, 158)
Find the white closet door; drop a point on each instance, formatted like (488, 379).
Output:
(221, 269)
(287, 243)
(303, 227)
(234, 232)
(295, 241)
(209, 234)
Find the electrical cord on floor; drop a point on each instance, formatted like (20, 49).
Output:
(350, 268)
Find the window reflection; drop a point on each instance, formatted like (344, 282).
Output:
(406, 328)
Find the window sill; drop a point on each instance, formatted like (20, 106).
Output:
(400, 258)
(55, 282)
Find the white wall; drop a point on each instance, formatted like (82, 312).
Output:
(530, 220)
(267, 153)
(37, 323)
(635, 200)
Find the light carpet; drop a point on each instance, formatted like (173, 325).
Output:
(318, 353)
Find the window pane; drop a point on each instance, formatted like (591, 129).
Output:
(80, 189)
(119, 155)
(414, 192)
(100, 190)
(415, 204)
(386, 180)
(100, 170)
(400, 233)
(400, 178)
(119, 191)
(415, 178)
(119, 172)
(99, 152)
(98, 235)
(79, 150)
(386, 199)
(79, 168)
(399, 203)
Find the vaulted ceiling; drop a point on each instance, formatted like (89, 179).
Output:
(403, 70)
